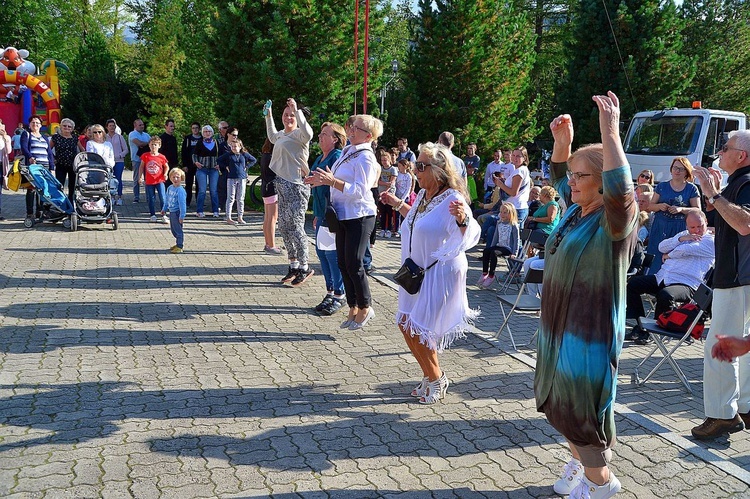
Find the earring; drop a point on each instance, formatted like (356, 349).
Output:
(601, 191)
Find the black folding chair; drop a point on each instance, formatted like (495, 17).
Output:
(521, 302)
(515, 262)
(702, 298)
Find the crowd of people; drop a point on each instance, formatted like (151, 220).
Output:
(596, 222)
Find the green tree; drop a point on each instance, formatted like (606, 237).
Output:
(95, 90)
(652, 74)
(717, 37)
(283, 48)
(469, 72)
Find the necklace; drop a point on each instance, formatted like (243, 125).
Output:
(426, 202)
(570, 224)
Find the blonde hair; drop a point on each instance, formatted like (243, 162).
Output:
(512, 213)
(177, 170)
(444, 172)
(642, 218)
(372, 124)
(549, 192)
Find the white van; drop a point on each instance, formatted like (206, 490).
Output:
(655, 138)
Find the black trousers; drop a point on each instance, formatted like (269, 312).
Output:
(352, 239)
(667, 297)
(66, 171)
(489, 258)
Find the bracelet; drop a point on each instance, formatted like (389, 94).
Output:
(399, 205)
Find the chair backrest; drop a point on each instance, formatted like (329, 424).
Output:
(525, 234)
(703, 296)
(538, 237)
(534, 276)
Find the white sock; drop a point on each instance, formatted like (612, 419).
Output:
(303, 267)
(294, 264)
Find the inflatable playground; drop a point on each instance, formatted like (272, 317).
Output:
(24, 94)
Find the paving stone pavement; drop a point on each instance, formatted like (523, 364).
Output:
(126, 371)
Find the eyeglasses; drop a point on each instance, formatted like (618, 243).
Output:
(643, 175)
(678, 168)
(361, 129)
(576, 175)
(419, 166)
(726, 147)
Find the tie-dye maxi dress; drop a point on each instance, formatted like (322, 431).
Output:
(583, 312)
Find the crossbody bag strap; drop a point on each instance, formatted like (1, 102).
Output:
(411, 233)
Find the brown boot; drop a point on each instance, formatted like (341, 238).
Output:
(712, 428)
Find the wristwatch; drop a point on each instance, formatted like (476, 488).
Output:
(465, 223)
(713, 199)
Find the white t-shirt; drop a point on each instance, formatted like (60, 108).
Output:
(521, 200)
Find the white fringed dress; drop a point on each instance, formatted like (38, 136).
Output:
(439, 313)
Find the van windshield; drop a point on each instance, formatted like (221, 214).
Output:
(666, 135)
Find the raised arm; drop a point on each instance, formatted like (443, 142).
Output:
(609, 125)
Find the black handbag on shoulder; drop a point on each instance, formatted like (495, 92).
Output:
(411, 275)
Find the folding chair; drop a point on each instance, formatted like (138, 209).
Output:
(521, 302)
(515, 263)
(702, 298)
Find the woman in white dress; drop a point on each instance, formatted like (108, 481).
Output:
(438, 229)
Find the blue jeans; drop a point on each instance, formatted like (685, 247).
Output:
(151, 191)
(329, 262)
(176, 226)
(210, 176)
(119, 168)
(136, 180)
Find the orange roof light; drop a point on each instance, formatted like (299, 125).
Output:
(697, 104)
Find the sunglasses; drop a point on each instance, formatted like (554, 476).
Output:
(97, 131)
(643, 175)
(234, 134)
(420, 167)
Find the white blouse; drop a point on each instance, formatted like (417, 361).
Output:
(439, 313)
(358, 169)
(104, 150)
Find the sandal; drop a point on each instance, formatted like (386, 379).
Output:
(435, 390)
(419, 390)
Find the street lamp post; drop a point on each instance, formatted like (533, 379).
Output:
(384, 90)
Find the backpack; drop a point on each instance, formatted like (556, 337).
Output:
(680, 319)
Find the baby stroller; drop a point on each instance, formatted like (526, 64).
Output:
(47, 191)
(95, 185)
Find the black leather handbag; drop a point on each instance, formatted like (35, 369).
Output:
(332, 219)
(411, 275)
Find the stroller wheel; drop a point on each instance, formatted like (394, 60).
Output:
(74, 222)
(28, 222)
(67, 223)
(115, 221)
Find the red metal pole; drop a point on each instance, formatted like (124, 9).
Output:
(367, 56)
(356, 45)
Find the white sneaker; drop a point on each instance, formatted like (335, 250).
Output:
(571, 477)
(153, 218)
(118, 202)
(387, 234)
(164, 219)
(587, 489)
(381, 233)
(216, 214)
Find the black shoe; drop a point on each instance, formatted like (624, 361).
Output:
(302, 276)
(322, 305)
(291, 274)
(712, 427)
(643, 339)
(368, 270)
(334, 306)
(633, 334)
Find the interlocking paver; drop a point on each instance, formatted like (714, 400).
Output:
(129, 372)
